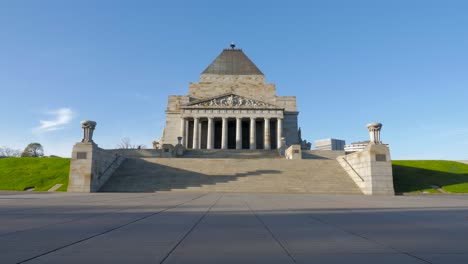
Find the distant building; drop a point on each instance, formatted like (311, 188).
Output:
(329, 144)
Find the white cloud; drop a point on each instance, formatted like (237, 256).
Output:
(61, 117)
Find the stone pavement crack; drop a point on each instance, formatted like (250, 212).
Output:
(190, 230)
(77, 219)
(112, 229)
(271, 233)
(368, 239)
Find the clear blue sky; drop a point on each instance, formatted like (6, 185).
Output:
(402, 63)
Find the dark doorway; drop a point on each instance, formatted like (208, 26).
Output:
(260, 134)
(245, 134)
(273, 134)
(218, 126)
(190, 135)
(231, 134)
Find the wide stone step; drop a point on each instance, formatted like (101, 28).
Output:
(231, 175)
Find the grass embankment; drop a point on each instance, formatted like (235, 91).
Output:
(40, 173)
(420, 175)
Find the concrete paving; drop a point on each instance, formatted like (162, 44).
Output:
(232, 228)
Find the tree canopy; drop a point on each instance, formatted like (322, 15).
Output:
(33, 150)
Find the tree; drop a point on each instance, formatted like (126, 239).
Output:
(33, 150)
(9, 152)
(125, 143)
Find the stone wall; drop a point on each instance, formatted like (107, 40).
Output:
(144, 153)
(91, 167)
(290, 128)
(371, 169)
(250, 86)
(172, 128)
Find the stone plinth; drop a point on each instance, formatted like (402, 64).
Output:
(371, 169)
(294, 152)
(90, 167)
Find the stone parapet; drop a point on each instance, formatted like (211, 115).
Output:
(371, 169)
(91, 167)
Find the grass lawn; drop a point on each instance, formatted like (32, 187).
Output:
(419, 175)
(40, 173)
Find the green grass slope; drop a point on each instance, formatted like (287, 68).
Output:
(40, 173)
(419, 175)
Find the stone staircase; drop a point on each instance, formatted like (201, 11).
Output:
(231, 154)
(271, 174)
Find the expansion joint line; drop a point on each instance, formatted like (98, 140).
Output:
(190, 230)
(271, 233)
(110, 230)
(369, 239)
(77, 219)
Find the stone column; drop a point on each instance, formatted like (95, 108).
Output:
(199, 134)
(187, 122)
(238, 133)
(182, 132)
(374, 133)
(279, 132)
(224, 139)
(210, 138)
(88, 129)
(267, 134)
(195, 133)
(253, 136)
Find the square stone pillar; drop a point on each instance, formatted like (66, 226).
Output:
(238, 133)
(210, 139)
(253, 134)
(224, 139)
(196, 144)
(267, 134)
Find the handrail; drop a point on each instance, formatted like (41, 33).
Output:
(344, 158)
(110, 165)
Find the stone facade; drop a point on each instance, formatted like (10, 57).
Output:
(231, 107)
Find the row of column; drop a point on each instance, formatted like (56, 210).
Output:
(224, 135)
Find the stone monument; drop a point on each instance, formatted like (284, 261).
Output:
(231, 107)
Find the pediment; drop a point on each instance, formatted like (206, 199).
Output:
(230, 101)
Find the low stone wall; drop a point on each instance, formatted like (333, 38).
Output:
(168, 151)
(371, 169)
(91, 167)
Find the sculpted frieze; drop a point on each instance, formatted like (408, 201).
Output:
(232, 101)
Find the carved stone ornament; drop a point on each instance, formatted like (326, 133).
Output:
(88, 129)
(374, 133)
(232, 101)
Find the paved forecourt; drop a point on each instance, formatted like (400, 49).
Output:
(231, 228)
